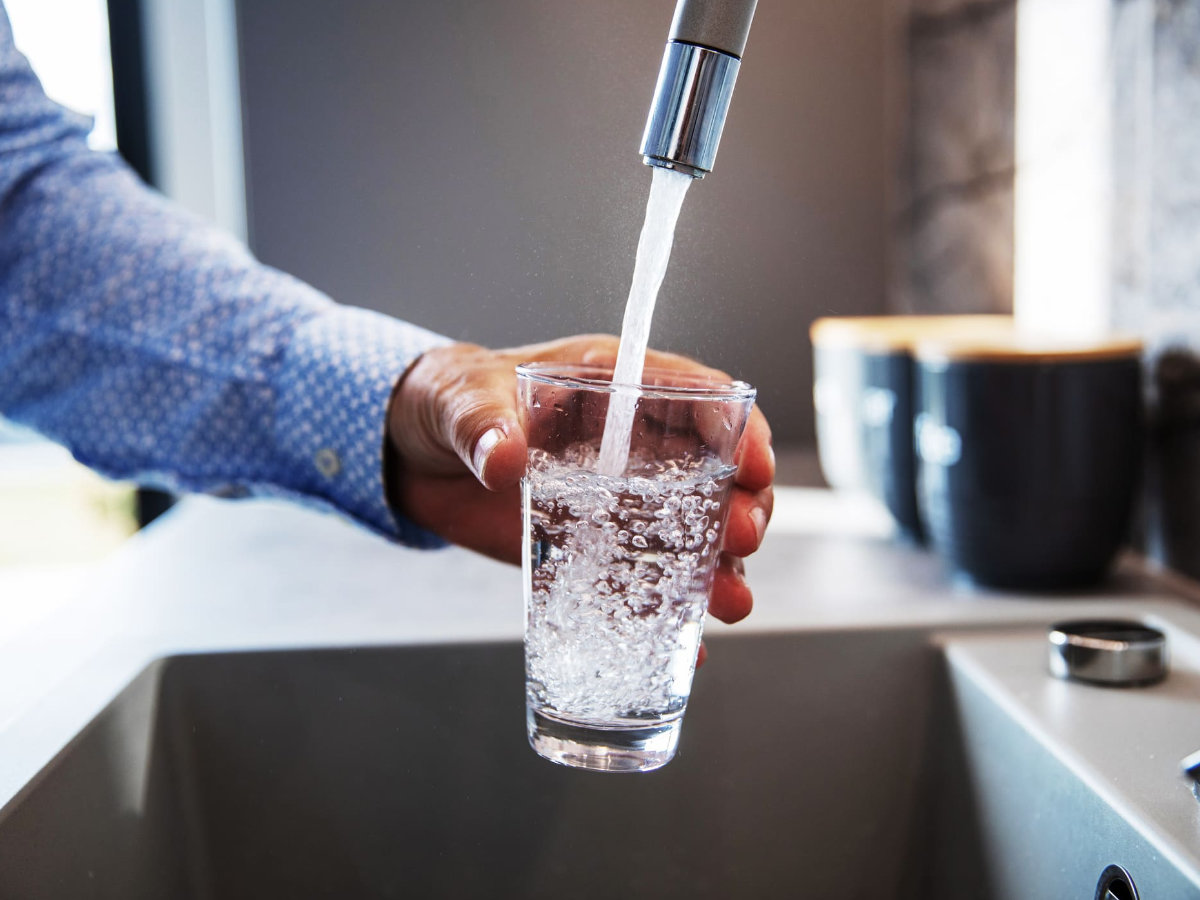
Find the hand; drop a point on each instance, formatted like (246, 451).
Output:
(459, 453)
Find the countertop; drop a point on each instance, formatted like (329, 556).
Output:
(217, 575)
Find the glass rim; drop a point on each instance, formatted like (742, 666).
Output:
(582, 375)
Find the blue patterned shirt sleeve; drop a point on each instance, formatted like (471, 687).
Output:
(157, 348)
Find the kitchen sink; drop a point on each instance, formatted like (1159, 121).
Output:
(857, 763)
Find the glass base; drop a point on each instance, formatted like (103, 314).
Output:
(599, 749)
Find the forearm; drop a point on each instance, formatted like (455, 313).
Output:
(155, 347)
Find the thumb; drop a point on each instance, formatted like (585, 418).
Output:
(482, 426)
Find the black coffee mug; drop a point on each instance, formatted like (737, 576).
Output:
(863, 394)
(1029, 456)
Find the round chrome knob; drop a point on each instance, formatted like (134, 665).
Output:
(1114, 652)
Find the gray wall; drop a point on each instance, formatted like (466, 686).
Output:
(471, 165)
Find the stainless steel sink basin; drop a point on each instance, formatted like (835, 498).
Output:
(834, 764)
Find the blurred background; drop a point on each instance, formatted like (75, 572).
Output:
(472, 166)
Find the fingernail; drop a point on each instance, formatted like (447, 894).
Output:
(483, 449)
(758, 517)
(771, 455)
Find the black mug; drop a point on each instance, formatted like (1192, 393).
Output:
(1029, 456)
(863, 394)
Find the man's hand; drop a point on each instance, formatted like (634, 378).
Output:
(459, 454)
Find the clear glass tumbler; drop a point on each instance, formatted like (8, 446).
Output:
(618, 567)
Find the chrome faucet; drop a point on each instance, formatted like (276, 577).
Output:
(695, 84)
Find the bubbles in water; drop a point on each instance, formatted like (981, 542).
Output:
(614, 614)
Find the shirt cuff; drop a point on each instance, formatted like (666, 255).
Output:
(335, 382)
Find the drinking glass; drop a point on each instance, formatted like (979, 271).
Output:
(619, 560)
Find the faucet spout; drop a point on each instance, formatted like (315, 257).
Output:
(695, 84)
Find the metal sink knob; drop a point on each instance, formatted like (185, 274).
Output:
(1114, 652)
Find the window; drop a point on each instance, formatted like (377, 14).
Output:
(72, 60)
(55, 515)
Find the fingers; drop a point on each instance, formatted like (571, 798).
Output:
(674, 362)
(601, 350)
(731, 599)
(483, 428)
(749, 513)
(755, 458)
(500, 458)
(457, 406)
(605, 356)
(589, 349)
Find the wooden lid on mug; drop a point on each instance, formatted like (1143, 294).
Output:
(895, 334)
(1017, 347)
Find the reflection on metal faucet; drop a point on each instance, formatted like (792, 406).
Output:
(695, 84)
